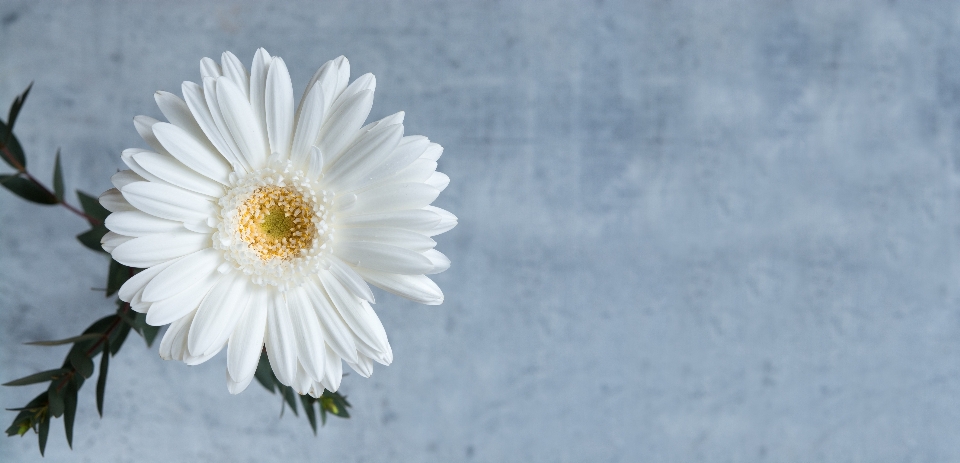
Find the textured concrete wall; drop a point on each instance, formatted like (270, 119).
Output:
(689, 231)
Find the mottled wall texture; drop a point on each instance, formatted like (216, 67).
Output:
(689, 231)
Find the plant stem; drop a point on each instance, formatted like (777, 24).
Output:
(23, 170)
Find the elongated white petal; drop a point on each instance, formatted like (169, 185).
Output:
(185, 271)
(336, 331)
(171, 171)
(137, 282)
(236, 387)
(447, 220)
(432, 153)
(308, 335)
(111, 240)
(147, 251)
(418, 220)
(178, 113)
(125, 177)
(315, 163)
(393, 197)
(440, 262)
(408, 150)
(113, 201)
(394, 236)
(438, 180)
(168, 202)
(332, 77)
(350, 279)
(308, 127)
(233, 69)
(186, 301)
(192, 153)
(258, 86)
(210, 68)
(128, 158)
(174, 342)
(196, 100)
(366, 82)
(366, 326)
(246, 342)
(338, 132)
(144, 126)
(363, 366)
(279, 108)
(218, 314)
(363, 156)
(383, 257)
(280, 339)
(136, 223)
(334, 370)
(242, 123)
(213, 106)
(417, 288)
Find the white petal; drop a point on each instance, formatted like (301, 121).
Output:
(308, 127)
(395, 118)
(171, 171)
(174, 342)
(190, 359)
(178, 113)
(302, 382)
(169, 202)
(418, 171)
(417, 288)
(242, 123)
(147, 251)
(137, 282)
(197, 102)
(213, 106)
(447, 220)
(365, 325)
(258, 84)
(128, 159)
(246, 342)
(125, 177)
(280, 339)
(186, 301)
(366, 82)
(438, 180)
(210, 68)
(419, 220)
(182, 274)
(383, 257)
(395, 196)
(218, 314)
(233, 69)
(432, 152)
(136, 223)
(315, 164)
(363, 156)
(336, 331)
(334, 370)
(144, 126)
(394, 236)
(309, 337)
(236, 387)
(363, 366)
(440, 262)
(111, 240)
(341, 128)
(329, 76)
(192, 153)
(278, 102)
(350, 279)
(408, 150)
(113, 201)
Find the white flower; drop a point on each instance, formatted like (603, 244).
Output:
(261, 223)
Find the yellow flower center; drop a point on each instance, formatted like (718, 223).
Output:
(276, 222)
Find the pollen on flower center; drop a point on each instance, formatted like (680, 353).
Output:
(276, 222)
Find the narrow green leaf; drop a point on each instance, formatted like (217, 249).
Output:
(92, 208)
(58, 178)
(102, 379)
(70, 410)
(44, 431)
(335, 403)
(91, 238)
(121, 335)
(264, 374)
(81, 362)
(55, 399)
(17, 104)
(82, 337)
(290, 397)
(311, 413)
(10, 149)
(150, 334)
(26, 189)
(117, 276)
(37, 377)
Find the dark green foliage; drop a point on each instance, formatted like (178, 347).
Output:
(15, 107)
(102, 379)
(58, 179)
(92, 208)
(26, 189)
(117, 276)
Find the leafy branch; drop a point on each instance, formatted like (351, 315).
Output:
(106, 336)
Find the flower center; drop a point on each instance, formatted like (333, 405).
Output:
(276, 222)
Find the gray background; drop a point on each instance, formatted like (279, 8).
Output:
(689, 231)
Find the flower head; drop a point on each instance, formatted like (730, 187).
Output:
(260, 223)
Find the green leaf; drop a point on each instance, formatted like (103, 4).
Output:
(26, 189)
(92, 208)
(82, 337)
(311, 413)
(10, 148)
(70, 410)
(37, 377)
(17, 104)
(43, 432)
(91, 238)
(55, 399)
(58, 178)
(150, 334)
(335, 403)
(121, 335)
(81, 362)
(265, 375)
(102, 379)
(290, 397)
(117, 276)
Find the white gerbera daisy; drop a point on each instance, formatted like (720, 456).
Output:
(260, 223)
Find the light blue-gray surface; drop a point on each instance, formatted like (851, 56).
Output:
(689, 231)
